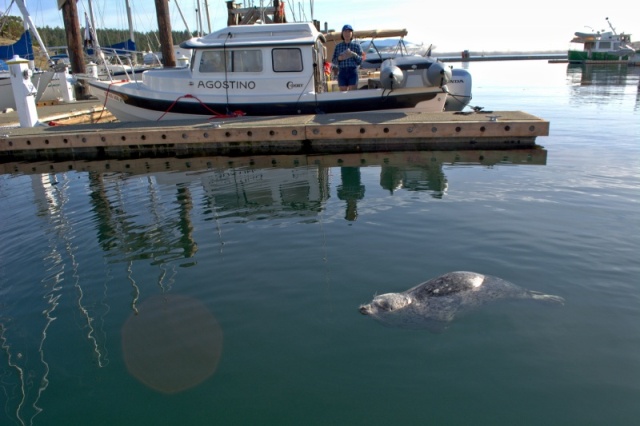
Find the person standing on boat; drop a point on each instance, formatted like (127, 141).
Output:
(347, 57)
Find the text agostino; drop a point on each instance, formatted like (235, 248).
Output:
(227, 84)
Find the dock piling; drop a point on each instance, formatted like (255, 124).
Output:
(24, 92)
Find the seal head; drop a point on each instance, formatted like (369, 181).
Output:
(386, 303)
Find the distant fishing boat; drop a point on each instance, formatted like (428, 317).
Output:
(601, 47)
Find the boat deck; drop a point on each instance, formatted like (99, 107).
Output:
(307, 134)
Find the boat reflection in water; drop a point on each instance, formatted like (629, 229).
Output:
(104, 295)
(604, 82)
(603, 74)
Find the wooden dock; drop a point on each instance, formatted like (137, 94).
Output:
(305, 134)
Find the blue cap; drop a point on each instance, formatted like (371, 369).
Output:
(347, 27)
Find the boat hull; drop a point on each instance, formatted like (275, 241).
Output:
(129, 101)
(581, 56)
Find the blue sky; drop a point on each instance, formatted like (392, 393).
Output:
(479, 26)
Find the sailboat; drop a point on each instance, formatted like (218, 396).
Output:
(45, 81)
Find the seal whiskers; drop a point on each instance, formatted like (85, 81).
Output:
(536, 295)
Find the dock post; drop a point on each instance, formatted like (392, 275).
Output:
(66, 89)
(24, 92)
(93, 69)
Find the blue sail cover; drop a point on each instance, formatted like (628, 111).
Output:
(123, 48)
(22, 48)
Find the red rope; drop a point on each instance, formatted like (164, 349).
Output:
(104, 106)
(214, 113)
(106, 96)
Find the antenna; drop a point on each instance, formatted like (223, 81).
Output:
(611, 26)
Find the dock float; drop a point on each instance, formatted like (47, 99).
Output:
(304, 134)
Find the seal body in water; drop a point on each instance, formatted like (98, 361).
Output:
(435, 303)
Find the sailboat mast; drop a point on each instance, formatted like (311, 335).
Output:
(206, 9)
(94, 35)
(200, 27)
(132, 36)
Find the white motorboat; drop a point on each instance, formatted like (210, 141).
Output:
(261, 70)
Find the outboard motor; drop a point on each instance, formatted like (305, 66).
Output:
(391, 77)
(459, 89)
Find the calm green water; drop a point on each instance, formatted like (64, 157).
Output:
(228, 294)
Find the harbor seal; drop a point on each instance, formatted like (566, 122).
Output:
(434, 304)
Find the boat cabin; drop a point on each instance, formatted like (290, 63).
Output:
(259, 59)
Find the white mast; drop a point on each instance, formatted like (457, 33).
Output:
(130, 22)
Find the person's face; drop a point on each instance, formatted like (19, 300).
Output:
(347, 34)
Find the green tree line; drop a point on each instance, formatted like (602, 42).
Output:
(11, 27)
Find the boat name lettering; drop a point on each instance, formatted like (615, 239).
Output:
(227, 84)
(456, 81)
(292, 85)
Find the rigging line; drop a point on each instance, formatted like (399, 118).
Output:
(121, 211)
(7, 349)
(325, 254)
(136, 290)
(106, 311)
(217, 220)
(302, 92)
(226, 71)
(153, 207)
(65, 234)
(60, 228)
(44, 382)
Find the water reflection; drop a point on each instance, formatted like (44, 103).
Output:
(350, 190)
(141, 228)
(601, 74)
(594, 83)
(247, 188)
(115, 234)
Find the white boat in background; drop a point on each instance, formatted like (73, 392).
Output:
(263, 70)
(601, 47)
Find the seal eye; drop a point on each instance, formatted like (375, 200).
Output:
(385, 306)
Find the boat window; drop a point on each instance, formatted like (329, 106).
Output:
(287, 60)
(246, 60)
(212, 61)
(605, 45)
(236, 61)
